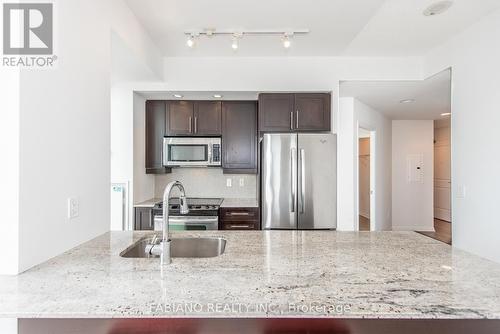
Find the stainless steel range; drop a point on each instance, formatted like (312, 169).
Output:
(203, 214)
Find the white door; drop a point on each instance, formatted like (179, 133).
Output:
(442, 174)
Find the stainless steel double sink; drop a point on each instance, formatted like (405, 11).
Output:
(179, 247)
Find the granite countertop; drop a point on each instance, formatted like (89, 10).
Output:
(263, 274)
(148, 204)
(240, 203)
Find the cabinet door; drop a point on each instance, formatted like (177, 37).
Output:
(276, 113)
(312, 112)
(207, 118)
(155, 131)
(144, 219)
(180, 118)
(239, 137)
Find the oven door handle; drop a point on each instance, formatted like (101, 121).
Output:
(211, 222)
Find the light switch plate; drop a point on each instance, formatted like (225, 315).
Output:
(461, 191)
(73, 207)
(229, 182)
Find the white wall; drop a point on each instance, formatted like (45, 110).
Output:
(412, 202)
(9, 326)
(134, 58)
(64, 145)
(63, 134)
(354, 114)
(474, 57)
(9, 171)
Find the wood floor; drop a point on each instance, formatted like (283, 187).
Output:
(364, 224)
(443, 231)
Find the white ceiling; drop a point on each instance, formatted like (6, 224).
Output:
(337, 27)
(432, 96)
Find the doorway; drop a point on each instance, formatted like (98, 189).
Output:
(366, 177)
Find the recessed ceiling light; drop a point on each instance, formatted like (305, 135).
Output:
(217, 96)
(437, 8)
(446, 114)
(407, 101)
(179, 96)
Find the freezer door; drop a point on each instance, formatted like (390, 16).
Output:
(279, 181)
(317, 181)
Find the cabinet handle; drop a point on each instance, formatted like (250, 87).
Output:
(238, 213)
(297, 119)
(196, 124)
(190, 124)
(239, 226)
(291, 120)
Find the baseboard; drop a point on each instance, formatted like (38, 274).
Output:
(413, 228)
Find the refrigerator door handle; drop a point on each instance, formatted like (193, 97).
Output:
(293, 177)
(302, 180)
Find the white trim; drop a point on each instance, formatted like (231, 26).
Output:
(413, 228)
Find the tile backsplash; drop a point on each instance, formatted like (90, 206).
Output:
(209, 182)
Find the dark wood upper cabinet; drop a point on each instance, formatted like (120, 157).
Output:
(155, 131)
(207, 118)
(239, 136)
(276, 112)
(312, 112)
(179, 118)
(193, 118)
(286, 112)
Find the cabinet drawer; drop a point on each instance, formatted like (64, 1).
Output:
(240, 225)
(239, 214)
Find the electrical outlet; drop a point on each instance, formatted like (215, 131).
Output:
(73, 207)
(229, 182)
(242, 182)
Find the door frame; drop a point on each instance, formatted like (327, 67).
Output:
(373, 184)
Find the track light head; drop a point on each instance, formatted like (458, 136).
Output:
(235, 43)
(287, 39)
(191, 40)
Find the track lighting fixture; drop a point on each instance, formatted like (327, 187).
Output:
(237, 35)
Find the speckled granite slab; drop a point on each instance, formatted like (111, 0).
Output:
(263, 274)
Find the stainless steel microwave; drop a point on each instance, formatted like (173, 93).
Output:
(191, 151)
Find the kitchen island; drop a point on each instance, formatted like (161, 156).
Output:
(262, 274)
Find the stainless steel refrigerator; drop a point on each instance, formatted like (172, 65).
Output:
(299, 181)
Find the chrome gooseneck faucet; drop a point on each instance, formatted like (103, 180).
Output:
(165, 242)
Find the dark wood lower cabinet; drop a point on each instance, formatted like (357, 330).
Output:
(239, 219)
(298, 325)
(144, 220)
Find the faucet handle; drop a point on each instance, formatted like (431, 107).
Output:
(154, 240)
